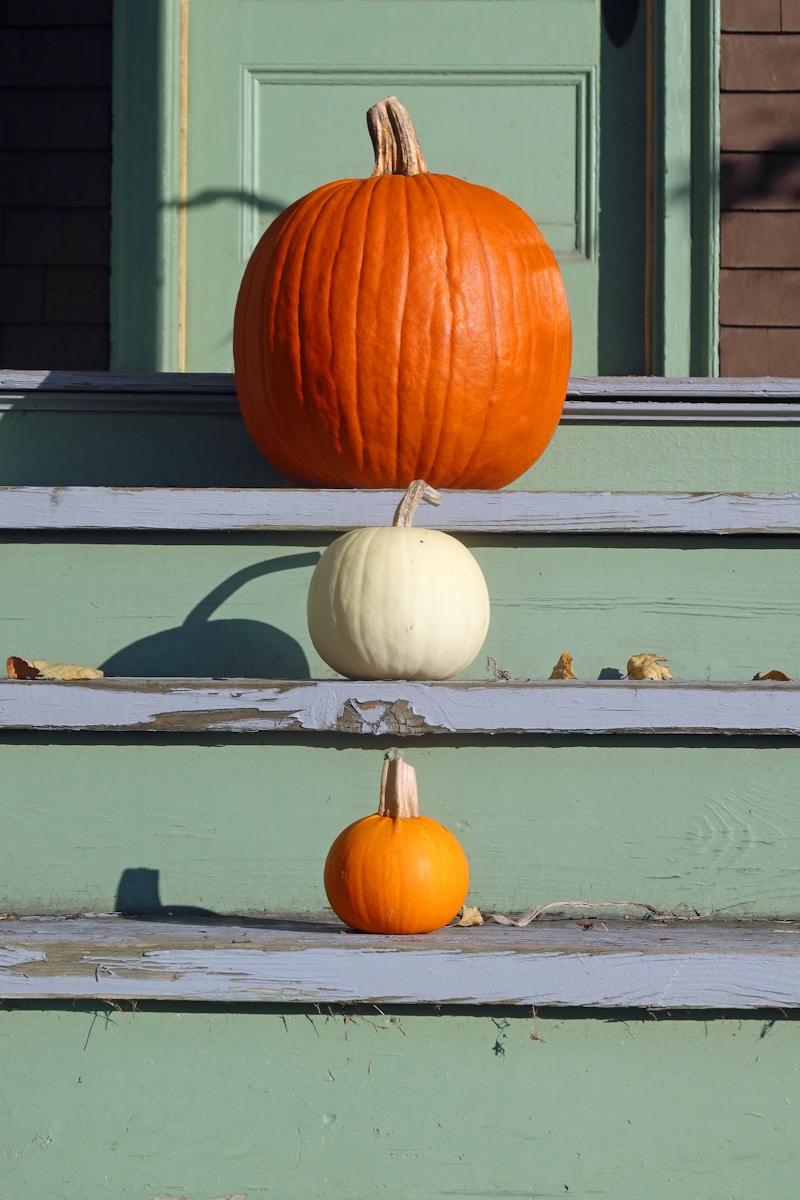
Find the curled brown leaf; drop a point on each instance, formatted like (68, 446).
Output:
(648, 666)
(41, 668)
(470, 915)
(563, 668)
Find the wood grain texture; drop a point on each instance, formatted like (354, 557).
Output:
(234, 607)
(776, 350)
(768, 179)
(761, 239)
(759, 63)
(571, 964)
(758, 121)
(757, 16)
(242, 824)
(759, 297)
(715, 453)
(401, 709)
(273, 510)
(184, 391)
(743, 436)
(272, 1101)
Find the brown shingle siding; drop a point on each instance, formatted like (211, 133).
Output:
(78, 295)
(22, 293)
(760, 181)
(761, 16)
(760, 351)
(28, 119)
(753, 239)
(56, 12)
(790, 22)
(82, 118)
(760, 297)
(760, 188)
(55, 183)
(55, 347)
(55, 58)
(69, 237)
(759, 121)
(55, 179)
(744, 351)
(760, 62)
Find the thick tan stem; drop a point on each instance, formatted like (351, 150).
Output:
(394, 141)
(416, 491)
(399, 796)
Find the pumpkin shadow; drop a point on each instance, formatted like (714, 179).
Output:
(138, 898)
(235, 648)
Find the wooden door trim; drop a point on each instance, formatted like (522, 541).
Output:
(683, 190)
(146, 182)
(148, 251)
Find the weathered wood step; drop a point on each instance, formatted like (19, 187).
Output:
(402, 708)
(650, 964)
(254, 510)
(102, 429)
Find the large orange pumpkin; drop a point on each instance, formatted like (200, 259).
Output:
(395, 871)
(409, 325)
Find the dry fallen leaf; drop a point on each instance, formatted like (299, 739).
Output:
(779, 675)
(470, 915)
(563, 668)
(20, 668)
(40, 668)
(648, 666)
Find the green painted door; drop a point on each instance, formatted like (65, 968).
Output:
(502, 92)
(227, 110)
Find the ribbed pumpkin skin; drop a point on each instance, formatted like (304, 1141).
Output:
(396, 875)
(402, 327)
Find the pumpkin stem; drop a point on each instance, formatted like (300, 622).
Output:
(394, 141)
(399, 796)
(416, 491)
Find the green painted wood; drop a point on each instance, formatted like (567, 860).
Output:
(623, 307)
(258, 137)
(235, 606)
(706, 21)
(644, 959)
(399, 708)
(242, 825)
(685, 230)
(277, 97)
(265, 511)
(213, 450)
(162, 1104)
(145, 173)
(672, 188)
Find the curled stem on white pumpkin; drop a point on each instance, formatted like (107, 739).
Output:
(416, 491)
(394, 141)
(399, 794)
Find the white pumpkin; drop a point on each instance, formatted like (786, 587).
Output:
(395, 602)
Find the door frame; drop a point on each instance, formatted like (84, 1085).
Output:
(149, 186)
(682, 285)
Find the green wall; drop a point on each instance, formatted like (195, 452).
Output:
(352, 1104)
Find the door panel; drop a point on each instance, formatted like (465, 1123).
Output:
(502, 93)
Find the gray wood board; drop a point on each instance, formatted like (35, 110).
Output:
(591, 963)
(270, 509)
(629, 399)
(401, 708)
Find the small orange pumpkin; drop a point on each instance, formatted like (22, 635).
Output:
(395, 871)
(410, 325)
